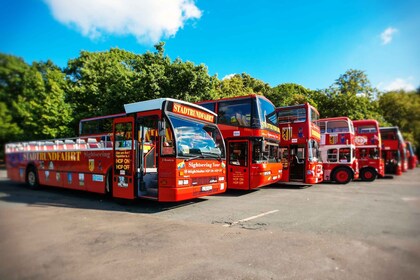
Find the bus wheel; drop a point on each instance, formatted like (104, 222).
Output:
(32, 178)
(368, 174)
(342, 175)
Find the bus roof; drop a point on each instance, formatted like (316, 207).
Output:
(157, 104)
(335, 119)
(236, 98)
(364, 122)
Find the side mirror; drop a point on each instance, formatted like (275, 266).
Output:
(162, 128)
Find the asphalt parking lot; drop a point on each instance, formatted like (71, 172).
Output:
(326, 231)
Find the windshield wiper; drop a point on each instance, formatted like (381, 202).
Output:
(194, 157)
(213, 155)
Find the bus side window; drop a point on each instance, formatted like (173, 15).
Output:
(168, 143)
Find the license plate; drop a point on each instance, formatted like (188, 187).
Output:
(206, 188)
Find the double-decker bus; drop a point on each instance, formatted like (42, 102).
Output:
(412, 157)
(299, 144)
(162, 149)
(338, 150)
(394, 151)
(369, 149)
(250, 129)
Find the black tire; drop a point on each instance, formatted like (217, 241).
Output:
(368, 174)
(342, 175)
(32, 178)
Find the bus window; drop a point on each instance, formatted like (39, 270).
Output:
(313, 150)
(238, 151)
(345, 155)
(332, 155)
(236, 112)
(292, 115)
(123, 135)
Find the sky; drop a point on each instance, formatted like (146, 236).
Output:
(310, 43)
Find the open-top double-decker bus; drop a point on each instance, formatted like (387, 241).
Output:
(162, 149)
(338, 150)
(299, 144)
(250, 129)
(369, 149)
(394, 150)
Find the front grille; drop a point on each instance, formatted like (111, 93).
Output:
(203, 180)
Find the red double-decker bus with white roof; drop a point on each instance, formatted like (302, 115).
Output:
(250, 129)
(394, 150)
(300, 143)
(369, 149)
(162, 149)
(338, 150)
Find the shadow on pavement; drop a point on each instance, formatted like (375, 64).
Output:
(57, 197)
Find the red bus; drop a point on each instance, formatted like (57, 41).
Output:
(338, 150)
(369, 149)
(412, 157)
(250, 129)
(394, 151)
(162, 149)
(299, 145)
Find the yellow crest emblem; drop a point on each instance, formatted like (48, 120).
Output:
(91, 165)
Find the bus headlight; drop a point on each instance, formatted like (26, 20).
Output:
(265, 173)
(182, 182)
(221, 179)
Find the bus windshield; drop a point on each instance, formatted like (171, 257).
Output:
(267, 112)
(197, 139)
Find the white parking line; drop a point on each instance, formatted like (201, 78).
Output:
(250, 218)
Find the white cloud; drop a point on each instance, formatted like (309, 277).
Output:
(398, 84)
(147, 20)
(387, 35)
(229, 76)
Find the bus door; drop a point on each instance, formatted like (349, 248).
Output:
(238, 169)
(147, 151)
(124, 157)
(284, 156)
(297, 161)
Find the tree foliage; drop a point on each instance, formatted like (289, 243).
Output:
(33, 100)
(40, 100)
(351, 95)
(291, 94)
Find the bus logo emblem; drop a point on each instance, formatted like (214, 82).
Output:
(286, 133)
(91, 165)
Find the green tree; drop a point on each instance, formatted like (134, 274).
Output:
(351, 95)
(402, 109)
(242, 84)
(288, 94)
(101, 83)
(34, 98)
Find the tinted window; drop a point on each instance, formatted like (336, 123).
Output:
(237, 112)
(292, 115)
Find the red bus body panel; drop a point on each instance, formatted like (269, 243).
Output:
(298, 134)
(367, 138)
